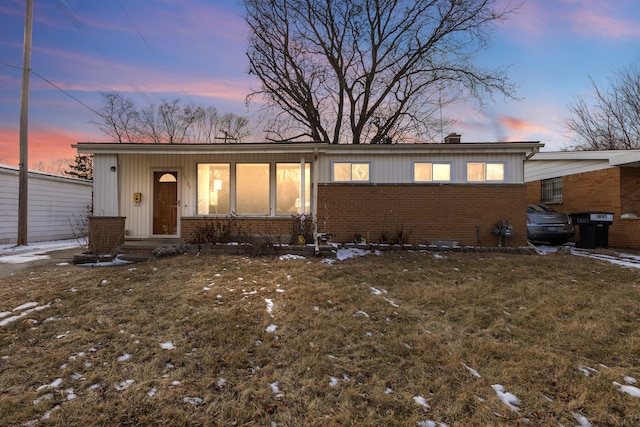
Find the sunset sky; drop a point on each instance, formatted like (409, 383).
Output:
(156, 50)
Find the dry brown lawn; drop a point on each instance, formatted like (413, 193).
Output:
(411, 339)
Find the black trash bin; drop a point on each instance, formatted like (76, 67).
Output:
(594, 228)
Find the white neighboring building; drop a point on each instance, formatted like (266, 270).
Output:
(57, 206)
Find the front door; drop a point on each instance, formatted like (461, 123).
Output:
(165, 203)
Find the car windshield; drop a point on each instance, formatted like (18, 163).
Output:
(539, 208)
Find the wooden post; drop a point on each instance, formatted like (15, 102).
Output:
(23, 182)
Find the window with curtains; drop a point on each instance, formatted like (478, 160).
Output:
(431, 172)
(247, 188)
(485, 172)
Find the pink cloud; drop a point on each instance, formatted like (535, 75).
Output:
(589, 18)
(598, 23)
(44, 145)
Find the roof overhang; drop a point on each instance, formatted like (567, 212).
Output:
(525, 147)
(613, 157)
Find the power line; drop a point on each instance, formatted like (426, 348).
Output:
(41, 77)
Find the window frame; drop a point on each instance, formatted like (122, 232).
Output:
(273, 184)
(432, 163)
(306, 194)
(352, 163)
(231, 186)
(555, 190)
(486, 163)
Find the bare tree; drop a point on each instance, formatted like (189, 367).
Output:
(368, 70)
(168, 122)
(150, 126)
(119, 117)
(612, 120)
(55, 166)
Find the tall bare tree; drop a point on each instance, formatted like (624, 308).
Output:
(611, 121)
(368, 70)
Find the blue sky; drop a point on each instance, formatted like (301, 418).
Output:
(195, 50)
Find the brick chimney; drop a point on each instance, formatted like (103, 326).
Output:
(452, 138)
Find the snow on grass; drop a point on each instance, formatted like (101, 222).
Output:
(122, 385)
(269, 305)
(507, 398)
(167, 345)
(290, 257)
(124, 357)
(422, 402)
(8, 320)
(271, 328)
(473, 371)
(629, 389)
(582, 420)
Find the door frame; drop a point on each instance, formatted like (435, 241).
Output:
(178, 173)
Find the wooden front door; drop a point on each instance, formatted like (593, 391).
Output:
(165, 203)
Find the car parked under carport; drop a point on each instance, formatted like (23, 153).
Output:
(546, 224)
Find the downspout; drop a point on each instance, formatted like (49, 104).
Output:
(314, 199)
(534, 151)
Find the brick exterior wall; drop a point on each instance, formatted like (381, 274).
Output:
(425, 213)
(282, 229)
(615, 190)
(105, 233)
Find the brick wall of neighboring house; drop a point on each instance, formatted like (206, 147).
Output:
(281, 229)
(615, 190)
(105, 233)
(423, 213)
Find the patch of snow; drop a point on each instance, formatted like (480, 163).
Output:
(346, 253)
(195, 401)
(290, 257)
(269, 305)
(361, 313)
(391, 302)
(271, 328)
(124, 357)
(152, 392)
(422, 402)
(167, 345)
(630, 380)
(473, 371)
(508, 399)
(55, 384)
(429, 423)
(47, 396)
(377, 291)
(25, 306)
(629, 389)
(123, 384)
(584, 422)
(587, 371)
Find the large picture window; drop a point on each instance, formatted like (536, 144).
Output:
(350, 172)
(213, 189)
(293, 188)
(252, 188)
(430, 172)
(485, 172)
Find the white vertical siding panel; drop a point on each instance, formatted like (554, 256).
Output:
(9, 206)
(105, 197)
(57, 206)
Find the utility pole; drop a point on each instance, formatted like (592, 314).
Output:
(23, 183)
